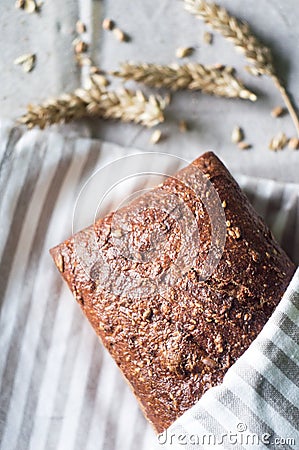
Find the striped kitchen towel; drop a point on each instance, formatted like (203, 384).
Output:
(59, 389)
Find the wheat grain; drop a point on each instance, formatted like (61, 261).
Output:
(244, 40)
(80, 46)
(100, 79)
(124, 105)
(120, 35)
(183, 126)
(244, 145)
(278, 142)
(29, 6)
(108, 24)
(208, 79)
(156, 136)
(208, 38)
(237, 135)
(294, 143)
(27, 61)
(182, 52)
(80, 27)
(278, 111)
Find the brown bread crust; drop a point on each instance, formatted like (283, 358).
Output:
(172, 347)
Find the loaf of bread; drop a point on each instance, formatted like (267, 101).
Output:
(174, 333)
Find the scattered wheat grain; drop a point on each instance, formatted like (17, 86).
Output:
(244, 145)
(208, 38)
(183, 127)
(294, 143)
(278, 142)
(237, 135)
(108, 24)
(80, 27)
(183, 52)
(156, 137)
(278, 111)
(27, 61)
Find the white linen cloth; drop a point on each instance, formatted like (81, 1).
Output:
(59, 389)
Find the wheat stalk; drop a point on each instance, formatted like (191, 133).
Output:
(124, 105)
(240, 34)
(208, 79)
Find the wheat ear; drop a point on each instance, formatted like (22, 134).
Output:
(240, 34)
(124, 105)
(208, 79)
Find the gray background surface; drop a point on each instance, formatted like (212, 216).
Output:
(157, 28)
